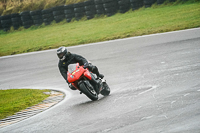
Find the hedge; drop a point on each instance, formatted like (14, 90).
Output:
(88, 8)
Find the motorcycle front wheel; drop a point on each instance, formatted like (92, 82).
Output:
(88, 91)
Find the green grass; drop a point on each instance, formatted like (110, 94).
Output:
(144, 21)
(14, 100)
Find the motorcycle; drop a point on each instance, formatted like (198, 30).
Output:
(87, 82)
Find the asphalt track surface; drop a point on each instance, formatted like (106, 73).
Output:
(154, 81)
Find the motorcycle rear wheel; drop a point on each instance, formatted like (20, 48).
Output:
(89, 92)
(106, 90)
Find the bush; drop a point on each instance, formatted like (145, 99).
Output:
(15, 6)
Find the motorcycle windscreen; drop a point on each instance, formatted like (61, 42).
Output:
(71, 68)
(75, 75)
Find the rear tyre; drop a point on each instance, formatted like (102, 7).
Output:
(88, 91)
(106, 90)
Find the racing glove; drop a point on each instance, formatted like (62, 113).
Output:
(85, 65)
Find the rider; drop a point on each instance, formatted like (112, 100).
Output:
(66, 58)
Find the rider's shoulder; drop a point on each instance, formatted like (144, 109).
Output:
(72, 54)
(75, 55)
(69, 55)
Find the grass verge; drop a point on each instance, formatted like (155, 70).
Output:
(14, 100)
(157, 19)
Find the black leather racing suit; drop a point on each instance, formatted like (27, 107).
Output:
(74, 58)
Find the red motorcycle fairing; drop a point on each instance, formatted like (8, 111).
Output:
(87, 74)
(75, 75)
(78, 73)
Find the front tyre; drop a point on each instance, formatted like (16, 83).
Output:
(88, 91)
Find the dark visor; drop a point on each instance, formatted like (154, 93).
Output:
(61, 55)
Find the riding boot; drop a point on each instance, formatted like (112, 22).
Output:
(95, 70)
(100, 76)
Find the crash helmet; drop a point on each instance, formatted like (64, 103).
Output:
(62, 52)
